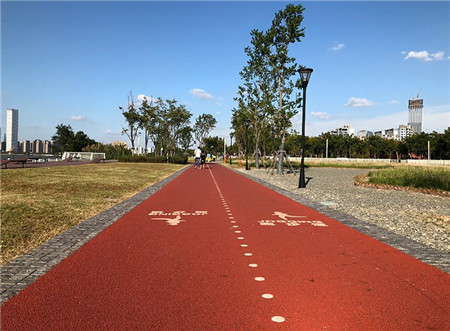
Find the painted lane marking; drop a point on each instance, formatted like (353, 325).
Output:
(178, 213)
(283, 216)
(278, 319)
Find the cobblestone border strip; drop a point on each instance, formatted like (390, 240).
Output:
(27, 268)
(431, 256)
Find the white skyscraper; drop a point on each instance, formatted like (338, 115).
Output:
(12, 129)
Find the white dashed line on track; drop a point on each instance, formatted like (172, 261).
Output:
(276, 319)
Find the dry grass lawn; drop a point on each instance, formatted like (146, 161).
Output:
(39, 203)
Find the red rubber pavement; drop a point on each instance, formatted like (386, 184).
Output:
(213, 250)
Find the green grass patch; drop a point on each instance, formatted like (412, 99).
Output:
(39, 203)
(353, 165)
(414, 177)
(308, 164)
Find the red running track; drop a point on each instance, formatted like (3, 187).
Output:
(231, 254)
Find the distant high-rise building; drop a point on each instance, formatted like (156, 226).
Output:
(415, 107)
(343, 131)
(404, 131)
(12, 129)
(364, 134)
(38, 146)
(26, 146)
(47, 147)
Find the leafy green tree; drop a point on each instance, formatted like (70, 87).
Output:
(177, 119)
(441, 148)
(285, 30)
(255, 96)
(204, 124)
(213, 145)
(81, 140)
(63, 139)
(418, 145)
(185, 138)
(133, 119)
(267, 96)
(113, 151)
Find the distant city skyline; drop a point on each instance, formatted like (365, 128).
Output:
(76, 62)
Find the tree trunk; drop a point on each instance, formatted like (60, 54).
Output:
(280, 157)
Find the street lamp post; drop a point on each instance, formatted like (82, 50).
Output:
(231, 136)
(305, 74)
(246, 123)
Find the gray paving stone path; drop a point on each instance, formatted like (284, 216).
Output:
(24, 270)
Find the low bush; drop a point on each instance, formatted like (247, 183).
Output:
(153, 159)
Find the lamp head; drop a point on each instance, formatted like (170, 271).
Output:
(305, 74)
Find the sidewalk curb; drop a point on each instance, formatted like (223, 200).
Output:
(421, 252)
(27, 268)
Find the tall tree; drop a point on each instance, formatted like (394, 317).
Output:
(285, 30)
(270, 97)
(81, 141)
(63, 139)
(256, 93)
(185, 138)
(204, 124)
(133, 119)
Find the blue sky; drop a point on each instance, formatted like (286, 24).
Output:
(76, 62)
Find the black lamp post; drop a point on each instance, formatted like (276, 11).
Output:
(304, 73)
(246, 123)
(231, 136)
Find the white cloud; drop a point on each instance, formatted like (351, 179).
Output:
(321, 115)
(438, 56)
(201, 94)
(425, 56)
(78, 118)
(142, 97)
(394, 102)
(112, 133)
(218, 104)
(338, 47)
(359, 102)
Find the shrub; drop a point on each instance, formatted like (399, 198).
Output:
(153, 159)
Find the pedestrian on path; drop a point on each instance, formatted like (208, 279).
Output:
(202, 160)
(197, 155)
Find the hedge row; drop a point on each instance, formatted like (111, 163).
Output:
(153, 159)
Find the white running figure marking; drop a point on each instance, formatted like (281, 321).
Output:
(171, 221)
(284, 216)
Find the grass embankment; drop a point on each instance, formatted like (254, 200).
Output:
(39, 203)
(432, 178)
